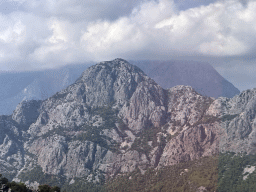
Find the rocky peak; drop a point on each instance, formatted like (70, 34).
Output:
(238, 122)
(242, 101)
(117, 84)
(110, 81)
(186, 105)
(26, 112)
(182, 90)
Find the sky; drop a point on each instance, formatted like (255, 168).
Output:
(41, 34)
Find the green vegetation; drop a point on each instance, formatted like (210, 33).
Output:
(108, 115)
(47, 188)
(81, 185)
(59, 130)
(141, 144)
(21, 187)
(59, 95)
(222, 173)
(94, 133)
(231, 167)
(228, 117)
(38, 175)
(18, 187)
(187, 176)
(3, 180)
(207, 119)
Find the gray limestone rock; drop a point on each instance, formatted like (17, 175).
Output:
(115, 119)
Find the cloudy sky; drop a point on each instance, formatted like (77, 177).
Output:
(39, 34)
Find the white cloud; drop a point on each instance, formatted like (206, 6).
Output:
(56, 32)
(217, 29)
(104, 39)
(11, 31)
(136, 33)
(62, 45)
(209, 29)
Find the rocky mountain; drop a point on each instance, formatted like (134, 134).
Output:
(115, 120)
(201, 76)
(39, 85)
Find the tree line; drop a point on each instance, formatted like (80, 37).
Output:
(5, 185)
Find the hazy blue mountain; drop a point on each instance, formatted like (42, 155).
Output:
(39, 85)
(201, 76)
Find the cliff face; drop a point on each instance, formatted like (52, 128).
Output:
(115, 119)
(238, 122)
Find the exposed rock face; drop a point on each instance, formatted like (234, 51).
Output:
(143, 112)
(195, 136)
(191, 144)
(186, 106)
(109, 82)
(26, 112)
(115, 119)
(11, 146)
(115, 83)
(238, 122)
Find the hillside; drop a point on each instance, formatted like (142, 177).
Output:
(115, 120)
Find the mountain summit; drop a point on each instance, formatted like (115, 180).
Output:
(114, 120)
(17, 87)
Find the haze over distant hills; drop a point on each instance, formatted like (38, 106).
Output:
(16, 87)
(201, 76)
(38, 85)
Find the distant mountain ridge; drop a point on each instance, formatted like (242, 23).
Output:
(201, 76)
(39, 85)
